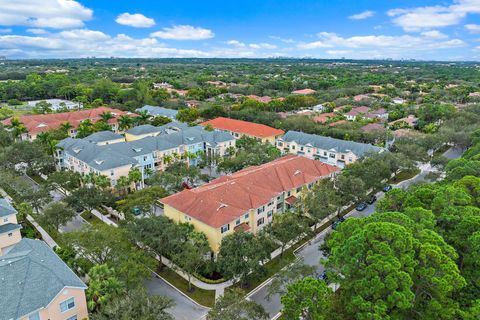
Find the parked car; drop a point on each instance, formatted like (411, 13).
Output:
(387, 188)
(372, 199)
(136, 211)
(336, 223)
(361, 206)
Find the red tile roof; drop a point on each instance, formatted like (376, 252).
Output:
(304, 91)
(243, 127)
(324, 117)
(372, 127)
(46, 122)
(229, 197)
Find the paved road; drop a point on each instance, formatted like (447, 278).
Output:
(311, 254)
(184, 308)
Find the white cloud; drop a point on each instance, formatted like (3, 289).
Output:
(6, 30)
(473, 28)
(236, 43)
(362, 15)
(37, 31)
(262, 46)
(284, 40)
(184, 32)
(59, 14)
(80, 43)
(136, 20)
(421, 18)
(434, 34)
(338, 52)
(381, 46)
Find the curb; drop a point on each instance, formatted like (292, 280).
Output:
(178, 290)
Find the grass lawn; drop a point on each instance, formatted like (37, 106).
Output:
(91, 218)
(203, 297)
(404, 175)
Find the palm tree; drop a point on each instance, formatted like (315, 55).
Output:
(167, 159)
(66, 126)
(122, 184)
(124, 122)
(107, 115)
(102, 181)
(143, 117)
(89, 179)
(17, 128)
(135, 175)
(85, 128)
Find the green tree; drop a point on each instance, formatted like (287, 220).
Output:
(233, 306)
(188, 115)
(308, 299)
(287, 227)
(103, 287)
(57, 214)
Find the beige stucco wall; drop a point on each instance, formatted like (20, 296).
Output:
(52, 311)
(6, 241)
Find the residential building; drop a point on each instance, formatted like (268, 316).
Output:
(372, 127)
(247, 200)
(192, 103)
(360, 97)
(304, 91)
(239, 128)
(35, 124)
(147, 130)
(381, 114)
(149, 153)
(398, 100)
(35, 284)
(319, 108)
(355, 112)
(409, 121)
(9, 228)
(58, 104)
(326, 149)
(264, 99)
(155, 111)
(324, 117)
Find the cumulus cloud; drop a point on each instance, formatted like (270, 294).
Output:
(184, 32)
(381, 45)
(421, 18)
(37, 31)
(284, 40)
(136, 20)
(236, 43)
(473, 28)
(262, 46)
(362, 15)
(434, 34)
(81, 43)
(58, 14)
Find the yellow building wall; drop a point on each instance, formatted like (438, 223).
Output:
(214, 235)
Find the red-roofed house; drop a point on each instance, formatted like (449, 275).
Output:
(304, 91)
(372, 127)
(239, 128)
(352, 114)
(247, 199)
(39, 123)
(324, 117)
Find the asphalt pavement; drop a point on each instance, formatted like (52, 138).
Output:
(184, 308)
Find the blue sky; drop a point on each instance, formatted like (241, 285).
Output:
(438, 30)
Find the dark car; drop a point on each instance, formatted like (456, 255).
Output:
(372, 199)
(336, 223)
(361, 206)
(387, 188)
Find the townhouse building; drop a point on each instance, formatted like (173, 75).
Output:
(35, 283)
(155, 111)
(239, 128)
(38, 123)
(247, 200)
(326, 149)
(115, 158)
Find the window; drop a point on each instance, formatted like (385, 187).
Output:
(112, 173)
(292, 147)
(10, 234)
(289, 193)
(67, 305)
(278, 198)
(343, 157)
(5, 219)
(246, 216)
(72, 317)
(332, 155)
(35, 316)
(237, 222)
(270, 203)
(260, 221)
(324, 153)
(301, 148)
(187, 218)
(261, 210)
(270, 213)
(350, 159)
(225, 228)
(299, 189)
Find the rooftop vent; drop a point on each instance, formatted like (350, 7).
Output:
(297, 172)
(99, 161)
(223, 205)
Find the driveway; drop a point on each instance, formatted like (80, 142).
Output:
(311, 254)
(184, 308)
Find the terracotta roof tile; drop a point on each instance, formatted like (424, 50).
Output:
(243, 127)
(229, 197)
(46, 122)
